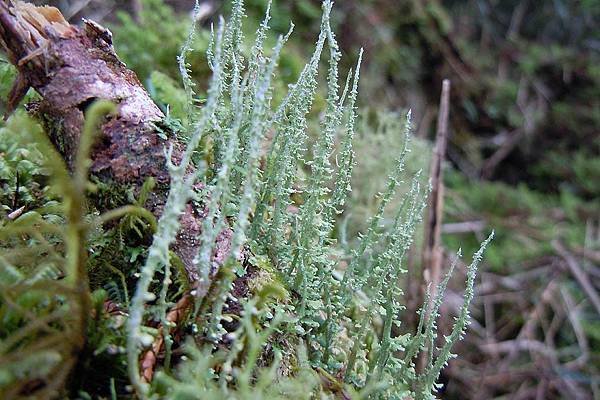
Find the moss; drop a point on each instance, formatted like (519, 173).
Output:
(264, 276)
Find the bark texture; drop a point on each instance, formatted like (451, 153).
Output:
(71, 67)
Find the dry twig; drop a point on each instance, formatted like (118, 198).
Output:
(579, 274)
(150, 358)
(432, 252)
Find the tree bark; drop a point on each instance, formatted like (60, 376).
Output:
(71, 67)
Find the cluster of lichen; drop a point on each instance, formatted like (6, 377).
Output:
(321, 320)
(290, 221)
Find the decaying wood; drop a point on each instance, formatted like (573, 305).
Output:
(71, 67)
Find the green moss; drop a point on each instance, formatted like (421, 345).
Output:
(154, 43)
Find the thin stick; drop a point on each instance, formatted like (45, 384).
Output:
(137, 8)
(579, 274)
(432, 252)
(150, 357)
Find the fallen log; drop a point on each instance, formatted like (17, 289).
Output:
(71, 67)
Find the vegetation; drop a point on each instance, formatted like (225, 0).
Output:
(323, 201)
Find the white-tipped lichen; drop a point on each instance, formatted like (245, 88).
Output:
(281, 204)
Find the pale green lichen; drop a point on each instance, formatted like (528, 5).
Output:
(347, 320)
